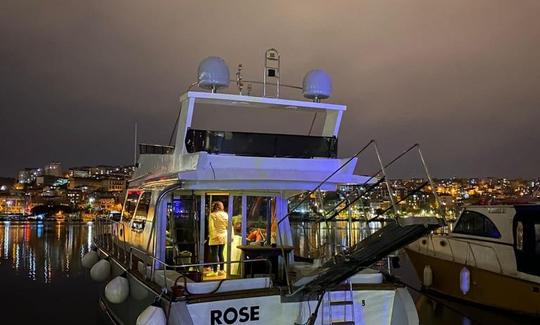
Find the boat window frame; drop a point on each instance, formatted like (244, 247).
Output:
(124, 206)
(138, 223)
(485, 220)
(182, 194)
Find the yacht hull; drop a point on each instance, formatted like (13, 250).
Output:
(486, 287)
(372, 303)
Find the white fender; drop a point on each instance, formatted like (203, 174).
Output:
(465, 280)
(152, 315)
(117, 290)
(427, 281)
(89, 259)
(100, 271)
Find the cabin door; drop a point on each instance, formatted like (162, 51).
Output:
(233, 220)
(181, 240)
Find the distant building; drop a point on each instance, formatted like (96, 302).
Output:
(50, 180)
(85, 184)
(12, 204)
(101, 171)
(106, 202)
(53, 169)
(113, 184)
(29, 175)
(6, 184)
(104, 170)
(75, 197)
(81, 172)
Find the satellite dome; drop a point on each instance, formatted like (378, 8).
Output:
(317, 84)
(213, 73)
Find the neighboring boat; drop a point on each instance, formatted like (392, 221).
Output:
(13, 217)
(74, 217)
(159, 248)
(60, 216)
(36, 217)
(491, 257)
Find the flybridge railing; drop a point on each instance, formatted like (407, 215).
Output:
(372, 183)
(336, 210)
(326, 180)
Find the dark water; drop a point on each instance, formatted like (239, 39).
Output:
(41, 277)
(42, 280)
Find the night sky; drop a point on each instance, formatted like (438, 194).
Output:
(460, 77)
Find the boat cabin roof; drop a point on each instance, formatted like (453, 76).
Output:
(494, 222)
(201, 166)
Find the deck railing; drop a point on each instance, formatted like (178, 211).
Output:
(457, 257)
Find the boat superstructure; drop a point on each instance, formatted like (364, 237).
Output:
(160, 248)
(491, 257)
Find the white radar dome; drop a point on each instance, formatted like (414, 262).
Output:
(317, 84)
(213, 73)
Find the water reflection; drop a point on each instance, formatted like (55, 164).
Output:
(40, 251)
(42, 262)
(322, 240)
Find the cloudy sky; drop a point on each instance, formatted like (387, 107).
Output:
(460, 77)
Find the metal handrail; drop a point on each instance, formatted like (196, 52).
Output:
(173, 266)
(196, 84)
(481, 245)
(469, 248)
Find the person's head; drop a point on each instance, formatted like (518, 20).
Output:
(217, 206)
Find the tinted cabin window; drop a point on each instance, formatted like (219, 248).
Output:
(142, 211)
(476, 224)
(144, 205)
(537, 239)
(130, 205)
(182, 231)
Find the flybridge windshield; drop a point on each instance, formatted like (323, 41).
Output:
(248, 119)
(227, 112)
(260, 144)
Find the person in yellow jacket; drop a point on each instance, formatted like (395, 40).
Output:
(217, 236)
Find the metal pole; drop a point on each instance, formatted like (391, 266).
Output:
(390, 193)
(135, 146)
(439, 206)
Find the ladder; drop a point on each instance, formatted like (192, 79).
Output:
(339, 305)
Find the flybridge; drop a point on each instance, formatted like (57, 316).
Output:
(191, 101)
(300, 160)
(235, 152)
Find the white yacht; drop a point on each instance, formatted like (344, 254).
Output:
(155, 261)
(491, 257)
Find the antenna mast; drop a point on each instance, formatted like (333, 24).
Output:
(135, 146)
(271, 70)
